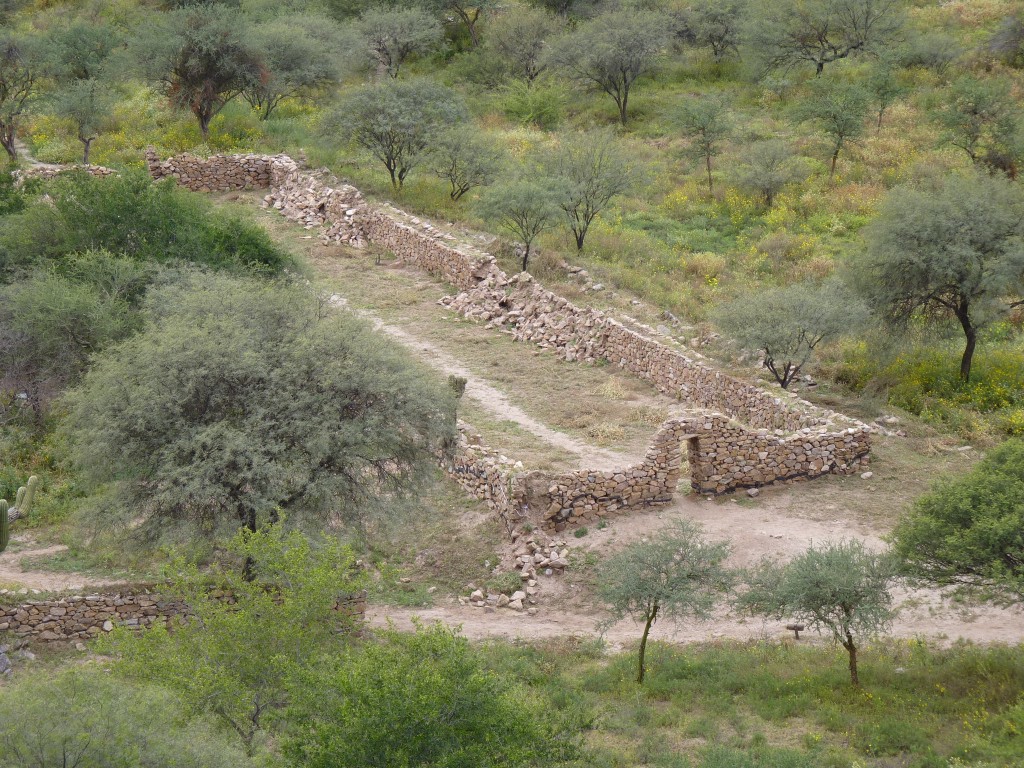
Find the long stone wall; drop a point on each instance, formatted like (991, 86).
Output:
(82, 617)
(745, 436)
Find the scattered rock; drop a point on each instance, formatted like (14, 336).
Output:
(867, 475)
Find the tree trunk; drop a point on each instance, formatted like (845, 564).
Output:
(819, 67)
(711, 189)
(85, 154)
(643, 642)
(878, 127)
(832, 170)
(971, 334)
(526, 256)
(7, 140)
(579, 234)
(248, 567)
(204, 124)
(851, 648)
(623, 102)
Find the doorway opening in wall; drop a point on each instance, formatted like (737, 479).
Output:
(689, 446)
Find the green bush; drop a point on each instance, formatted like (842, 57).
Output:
(542, 105)
(132, 216)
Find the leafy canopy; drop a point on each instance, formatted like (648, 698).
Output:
(968, 532)
(240, 399)
(419, 700)
(234, 659)
(840, 588)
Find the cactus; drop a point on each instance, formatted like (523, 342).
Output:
(22, 506)
(5, 525)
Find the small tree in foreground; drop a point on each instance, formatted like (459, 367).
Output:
(968, 532)
(770, 165)
(787, 325)
(839, 587)
(88, 105)
(839, 109)
(418, 700)
(233, 660)
(466, 158)
(676, 574)
(522, 208)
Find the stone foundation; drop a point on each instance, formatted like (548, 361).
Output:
(741, 436)
(82, 617)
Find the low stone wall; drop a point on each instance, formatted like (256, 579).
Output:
(217, 173)
(749, 437)
(82, 617)
(48, 171)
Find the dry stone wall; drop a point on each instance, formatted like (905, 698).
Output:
(82, 617)
(744, 437)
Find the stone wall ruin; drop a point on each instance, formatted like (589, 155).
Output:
(740, 435)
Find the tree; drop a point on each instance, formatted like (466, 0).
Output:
(968, 532)
(520, 39)
(770, 166)
(837, 587)
(465, 158)
(20, 69)
(718, 25)
(612, 51)
(981, 117)
(469, 12)
(421, 700)
(239, 400)
(884, 87)
(299, 56)
(522, 208)
(84, 716)
(706, 122)
(787, 325)
(234, 659)
(1007, 42)
(87, 104)
(592, 168)
(51, 325)
(955, 251)
(398, 122)
(202, 55)
(675, 574)
(79, 48)
(391, 36)
(819, 32)
(839, 109)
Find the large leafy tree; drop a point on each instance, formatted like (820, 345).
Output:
(789, 33)
(717, 24)
(982, 117)
(397, 122)
(612, 51)
(301, 56)
(787, 325)
(840, 588)
(968, 532)
(593, 168)
(677, 573)
(87, 104)
(392, 35)
(240, 400)
(520, 39)
(466, 158)
(769, 166)
(201, 55)
(524, 208)
(421, 700)
(839, 109)
(234, 659)
(956, 250)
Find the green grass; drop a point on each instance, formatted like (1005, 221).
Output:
(767, 705)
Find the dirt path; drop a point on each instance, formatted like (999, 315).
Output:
(12, 575)
(494, 400)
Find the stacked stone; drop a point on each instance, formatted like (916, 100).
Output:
(486, 475)
(428, 248)
(217, 173)
(84, 616)
(47, 171)
(81, 617)
(317, 201)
